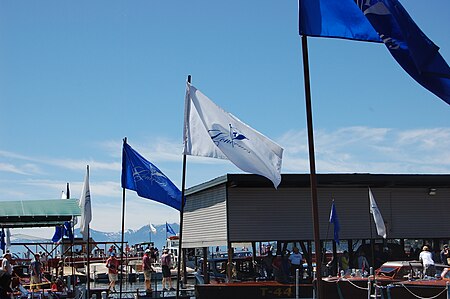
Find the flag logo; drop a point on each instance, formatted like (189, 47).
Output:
(221, 136)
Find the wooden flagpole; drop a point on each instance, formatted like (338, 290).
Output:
(180, 248)
(312, 165)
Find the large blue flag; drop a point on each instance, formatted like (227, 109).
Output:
(335, 220)
(147, 180)
(409, 46)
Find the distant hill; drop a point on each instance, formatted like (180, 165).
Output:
(130, 236)
(135, 236)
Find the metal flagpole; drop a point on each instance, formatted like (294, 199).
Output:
(312, 164)
(123, 229)
(88, 263)
(88, 260)
(372, 240)
(180, 252)
(71, 241)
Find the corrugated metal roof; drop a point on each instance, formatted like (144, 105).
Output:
(37, 213)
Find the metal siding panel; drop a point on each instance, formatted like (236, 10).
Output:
(267, 214)
(418, 215)
(205, 219)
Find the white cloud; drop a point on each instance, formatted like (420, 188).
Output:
(6, 167)
(362, 149)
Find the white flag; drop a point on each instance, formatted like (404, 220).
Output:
(209, 131)
(152, 228)
(85, 205)
(377, 218)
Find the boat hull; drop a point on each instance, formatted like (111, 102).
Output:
(245, 290)
(417, 289)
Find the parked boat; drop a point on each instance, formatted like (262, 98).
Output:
(394, 277)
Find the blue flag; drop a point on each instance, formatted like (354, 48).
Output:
(339, 19)
(169, 229)
(334, 219)
(409, 46)
(147, 180)
(68, 230)
(2, 240)
(59, 231)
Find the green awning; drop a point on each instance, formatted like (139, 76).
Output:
(37, 213)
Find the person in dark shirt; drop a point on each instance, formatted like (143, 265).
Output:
(5, 285)
(445, 255)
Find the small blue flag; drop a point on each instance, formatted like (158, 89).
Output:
(409, 46)
(169, 229)
(334, 219)
(59, 231)
(147, 180)
(2, 240)
(68, 230)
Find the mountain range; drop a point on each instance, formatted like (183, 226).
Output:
(130, 236)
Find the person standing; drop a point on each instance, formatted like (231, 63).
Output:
(445, 255)
(344, 262)
(363, 264)
(426, 257)
(166, 263)
(147, 268)
(5, 285)
(35, 271)
(296, 261)
(112, 263)
(6, 263)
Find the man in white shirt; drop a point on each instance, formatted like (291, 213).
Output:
(6, 263)
(426, 257)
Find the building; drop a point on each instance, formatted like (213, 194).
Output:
(237, 208)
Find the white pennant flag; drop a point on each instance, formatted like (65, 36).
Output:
(377, 218)
(152, 228)
(209, 131)
(85, 205)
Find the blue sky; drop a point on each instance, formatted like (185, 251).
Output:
(78, 76)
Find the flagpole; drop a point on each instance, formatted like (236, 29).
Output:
(183, 185)
(371, 233)
(71, 242)
(312, 164)
(88, 263)
(88, 260)
(123, 229)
